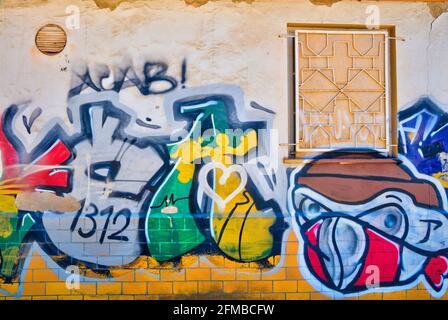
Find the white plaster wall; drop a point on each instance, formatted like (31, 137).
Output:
(438, 61)
(223, 42)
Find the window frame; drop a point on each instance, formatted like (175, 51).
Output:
(391, 149)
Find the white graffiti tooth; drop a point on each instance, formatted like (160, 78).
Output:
(344, 242)
(329, 248)
(351, 241)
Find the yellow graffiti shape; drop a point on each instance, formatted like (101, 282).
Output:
(442, 177)
(224, 152)
(7, 210)
(188, 151)
(240, 230)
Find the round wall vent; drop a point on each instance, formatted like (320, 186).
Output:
(51, 39)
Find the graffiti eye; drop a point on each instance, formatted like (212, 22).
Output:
(310, 209)
(314, 208)
(388, 219)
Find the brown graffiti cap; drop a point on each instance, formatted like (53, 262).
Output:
(361, 176)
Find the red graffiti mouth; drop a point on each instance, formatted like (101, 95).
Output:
(346, 256)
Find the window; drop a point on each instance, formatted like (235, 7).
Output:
(342, 90)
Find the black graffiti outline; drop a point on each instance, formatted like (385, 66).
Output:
(153, 72)
(109, 211)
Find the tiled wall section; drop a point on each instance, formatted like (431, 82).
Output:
(206, 277)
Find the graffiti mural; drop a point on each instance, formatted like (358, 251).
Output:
(104, 179)
(209, 177)
(370, 225)
(112, 186)
(423, 133)
(22, 173)
(144, 167)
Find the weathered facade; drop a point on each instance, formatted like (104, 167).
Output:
(223, 149)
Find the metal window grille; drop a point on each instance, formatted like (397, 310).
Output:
(342, 90)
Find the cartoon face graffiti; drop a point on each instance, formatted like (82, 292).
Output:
(368, 224)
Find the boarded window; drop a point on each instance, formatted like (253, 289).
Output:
(342, 90)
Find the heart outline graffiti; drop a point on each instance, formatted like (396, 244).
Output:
(226, 172)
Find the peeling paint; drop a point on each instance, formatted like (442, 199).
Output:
(198, 3)
(328, 3)
(113, 4)
(110, 4)
(45, 201)
(437, 8)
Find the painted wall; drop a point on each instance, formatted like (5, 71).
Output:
(145, 158)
